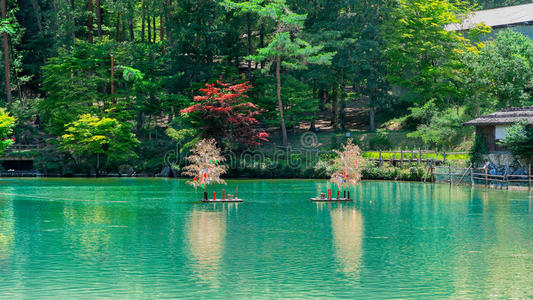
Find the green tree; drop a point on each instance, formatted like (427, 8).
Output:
(6, 129)
(286, 47)
(423, 57)
(91, 136)
(500, 75)
(519, 140)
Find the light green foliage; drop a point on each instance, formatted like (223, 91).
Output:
(90, 136)
(479, 148)
(422, 56)
(445, 129)
(519, 140)
(5, 26)
(501, 75)
(183, 132)
(414, 155)
(6, 129)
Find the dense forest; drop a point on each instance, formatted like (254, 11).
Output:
(123, 79)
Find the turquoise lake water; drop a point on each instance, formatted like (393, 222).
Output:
(150, 238)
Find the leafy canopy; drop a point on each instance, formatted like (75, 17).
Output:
(224, 113)
(92, 135)
(6, 129)
(518, 139)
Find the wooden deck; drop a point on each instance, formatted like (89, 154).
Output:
(234, 200)
(331, 200)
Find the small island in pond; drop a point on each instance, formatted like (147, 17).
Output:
(205, 168)
(347, 173)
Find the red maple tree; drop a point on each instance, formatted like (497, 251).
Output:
(224, 113)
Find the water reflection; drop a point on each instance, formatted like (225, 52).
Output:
(206, 234)
(347, 229)
(6, 230)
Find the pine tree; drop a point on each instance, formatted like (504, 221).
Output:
(286, 47)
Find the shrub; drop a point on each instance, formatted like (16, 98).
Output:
(380, 141)
(519, 140)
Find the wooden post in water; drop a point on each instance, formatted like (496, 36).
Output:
(506, 177)
(450, 173)
(471, 175)
(432, 169)
(486, 176)
(529, 182)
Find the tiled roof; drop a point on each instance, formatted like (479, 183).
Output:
(496, 17)
(505, 116)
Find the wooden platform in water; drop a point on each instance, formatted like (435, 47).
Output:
(234, 200)
(332, 200)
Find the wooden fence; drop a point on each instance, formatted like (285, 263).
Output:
(455, 175)
(20, 152)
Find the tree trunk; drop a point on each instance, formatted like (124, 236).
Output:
(140, 121)
(335, 109)
(262, 40)
(118, 28)
(7, 66)
(143, 16)
(113, 79)
(162, 32)
(99, 18)
(249, 34)
(161, 27)
(155, 29)
(130, 27)
(90, 22)
(372, 114)
(71, 21)
(37, 12)
(280, 103)
(342, 113)
(167, 20)
(149, 29)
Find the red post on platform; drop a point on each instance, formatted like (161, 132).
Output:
(223, 194)
(329, 193)
(215, 196)
(338, 195)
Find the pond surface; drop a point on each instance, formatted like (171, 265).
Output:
(150, 238)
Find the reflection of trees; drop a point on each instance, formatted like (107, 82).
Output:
(347, 227)
(206, 232)
(6, 229)
(85, 230)
(90, 228)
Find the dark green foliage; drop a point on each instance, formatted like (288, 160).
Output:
(478, 149)
(380, 141)
(383, 60)
(519, 140)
